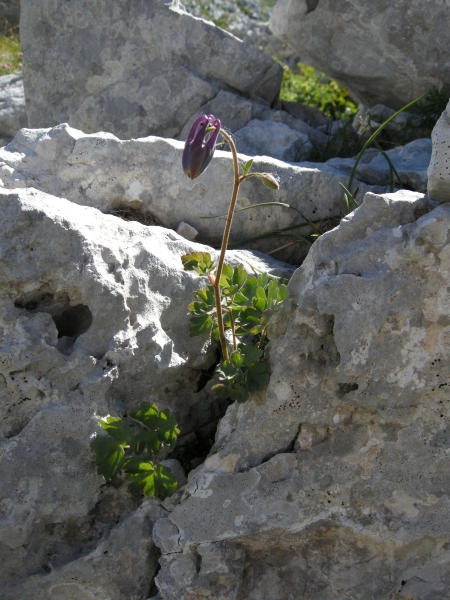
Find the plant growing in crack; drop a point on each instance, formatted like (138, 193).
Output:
(232, 300)
(114, 452)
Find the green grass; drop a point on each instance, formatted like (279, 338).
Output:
(10, 54)
(312, 88)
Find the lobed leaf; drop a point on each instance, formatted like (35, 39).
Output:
(115, 427)
(109, 457)
(198, 261)
(153, 480)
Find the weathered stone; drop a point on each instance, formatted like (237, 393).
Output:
(269, 138)
(132, 69)
(93, 321)
(439, 169)
(410, 161)
(12, 105)
(236, 113)
(382, 52)
(187, 231)
(106, 173)
(309, 114)
(334, 483)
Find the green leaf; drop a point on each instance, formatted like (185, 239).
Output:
(251, 354)
(260, 300)
(272, 292)
(239, 275)
(262, 280)
(257, 376)
(153, 480)
(201, 325)
(147, 415)
(160, 422)
(114, 426)
(109, 457)
(246, 168)
(146, 439)
(282, 293)
(198, 261)
(237, 359)
(167, 429)
(227, 270)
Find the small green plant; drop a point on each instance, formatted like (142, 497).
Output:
(312, 88)
(10, 54)
(232, 300)
(428, 110)
(121, 449)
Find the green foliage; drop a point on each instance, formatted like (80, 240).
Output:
(244, 372)
(10, 54)
(312, 88)
(428, 110)
(248, 303)
(198, 261)
(113, 452)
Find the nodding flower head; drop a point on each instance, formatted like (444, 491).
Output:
(200, 145)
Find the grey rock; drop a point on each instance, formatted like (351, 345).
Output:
(333, 482)
(439, 169)
(187, 231)
(138, 68)
(236, 113)
(410, 161)
(12, 105)
(271, 138)
(391, 59)
(309, 114)
(106, 173)
(93, 322)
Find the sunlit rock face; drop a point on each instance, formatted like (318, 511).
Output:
(382, 52)
(132, 68)
(335, 481)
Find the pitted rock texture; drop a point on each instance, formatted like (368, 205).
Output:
(334, 483)
(93, 321)
(12, 105)
(398, 50)
(439, 169)
(101, 171)
(131, 68)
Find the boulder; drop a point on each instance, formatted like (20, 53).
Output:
(12, 106)
(104, 172)
(410, 161)
(132, 69)
(270, 138)
(334, 481)
(236, 113)
(383, 52)
(93, 321)
(439, 169)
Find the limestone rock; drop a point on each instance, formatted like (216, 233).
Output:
(12, 105)
(410, 161)
(236, 113)
(93, 321)
(132, 69)
(269, 138)
(439, 169)
(334, 482)
(101, 171)
(397, 52)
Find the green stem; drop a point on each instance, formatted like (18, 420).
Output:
(263, 337)
(233, 328)
(226, 236)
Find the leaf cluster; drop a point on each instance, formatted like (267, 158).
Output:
(248, 303)
(243, 372)
(113, 452)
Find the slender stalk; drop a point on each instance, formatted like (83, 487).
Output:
(226, 235)
(233, 328)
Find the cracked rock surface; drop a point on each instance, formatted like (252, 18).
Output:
(101, 171)
(132, 68)
(93, 321)
(334, 482)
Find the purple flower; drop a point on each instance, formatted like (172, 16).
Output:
(200, 145)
